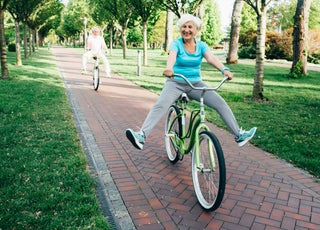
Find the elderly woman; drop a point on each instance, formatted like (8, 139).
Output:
(185, 57)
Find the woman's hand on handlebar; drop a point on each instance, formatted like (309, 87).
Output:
(168, 73)
(228, 74)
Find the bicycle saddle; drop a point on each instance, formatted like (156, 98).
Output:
(184, 97)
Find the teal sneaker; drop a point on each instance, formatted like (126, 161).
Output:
(135, 138)
(245, 136)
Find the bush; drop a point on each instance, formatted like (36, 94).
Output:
(247, 52)
(277, 46)
(296, 73)
(12, 47)
(314, 58)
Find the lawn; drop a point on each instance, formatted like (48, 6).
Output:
(44, 179)
(288, 123)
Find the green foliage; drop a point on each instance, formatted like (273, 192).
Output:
(248, 19)
(211, 25)
(278, 46)
(297, 71)
(247, 52)
(12, 47)
(134, 36)
(314, 58)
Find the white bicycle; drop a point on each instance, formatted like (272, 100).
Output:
(95, 72)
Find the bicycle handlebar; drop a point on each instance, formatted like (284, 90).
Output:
(201, 88)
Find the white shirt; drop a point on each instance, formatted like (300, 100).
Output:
(96, 43)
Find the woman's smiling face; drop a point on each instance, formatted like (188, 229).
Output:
(188, 30)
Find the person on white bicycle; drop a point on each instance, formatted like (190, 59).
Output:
(185, 57)
(95, 44)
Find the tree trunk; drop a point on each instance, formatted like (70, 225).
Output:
(232, 57)
(169, 30)
(25, 41)
(30, 42)
(124, 42)
(199, 14)
(18, 53)
(260, 53)
(37, 38)
(145, 43)
(300, 35)
(33, 40)
(111, 40)
(3, 50)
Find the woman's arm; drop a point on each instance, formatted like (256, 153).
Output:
(170, 63)
(214, 61)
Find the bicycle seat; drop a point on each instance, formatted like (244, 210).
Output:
(184, 97)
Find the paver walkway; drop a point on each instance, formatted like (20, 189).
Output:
(261, 192)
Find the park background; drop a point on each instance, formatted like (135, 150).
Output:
(287, 117)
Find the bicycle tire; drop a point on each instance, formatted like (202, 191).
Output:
(209, 183)
(173, 151)
(96, 79)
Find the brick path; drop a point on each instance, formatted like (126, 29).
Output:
(261, 192)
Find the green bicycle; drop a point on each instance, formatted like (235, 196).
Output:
(208, 165)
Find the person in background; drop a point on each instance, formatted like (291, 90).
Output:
(95, 44)
(185, 57)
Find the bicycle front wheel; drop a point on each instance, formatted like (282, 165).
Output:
(209, 178)
(95, 78)
(173, 131)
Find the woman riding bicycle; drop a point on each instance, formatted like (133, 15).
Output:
(185, 57)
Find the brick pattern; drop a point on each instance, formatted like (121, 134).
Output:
(261, 192)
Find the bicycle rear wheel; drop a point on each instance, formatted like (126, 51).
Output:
(173, 130)
(96, 78)
(209, 180)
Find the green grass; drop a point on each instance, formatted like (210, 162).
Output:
(44, 180)
(288, 124)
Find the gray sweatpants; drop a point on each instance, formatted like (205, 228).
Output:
(172, 90)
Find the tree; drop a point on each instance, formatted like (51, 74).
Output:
(145, 8)
(168, 30)
(73, 22)
(4, 66)
(232, 57)
(179, 7)
(300, 37)
(211, 25)
(121, 12)
(20, 11)
(45, 12)
(260, 7)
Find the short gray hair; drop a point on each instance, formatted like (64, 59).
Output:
(189, 18)
(95, 28)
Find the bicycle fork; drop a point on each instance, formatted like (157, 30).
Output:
(202, 125)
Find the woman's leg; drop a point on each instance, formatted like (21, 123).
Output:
(171, 91)
(85, 58)
(215, 101)
(106, 65)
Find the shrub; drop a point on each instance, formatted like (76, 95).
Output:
(314, 58)
(296, 73)
(247, 52)
(277, 46)
(12, 47)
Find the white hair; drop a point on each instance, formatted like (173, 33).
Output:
(189, 18)
(95, 28)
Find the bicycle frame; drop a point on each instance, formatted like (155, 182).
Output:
(195, 126)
